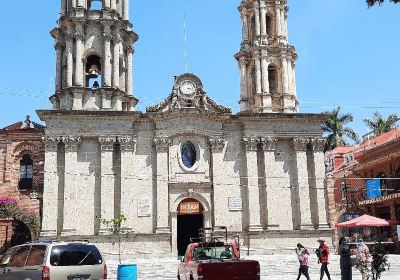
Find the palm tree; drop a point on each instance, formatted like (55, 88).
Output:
(379, 125)
(338, 133)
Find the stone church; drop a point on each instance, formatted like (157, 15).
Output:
(187, 162)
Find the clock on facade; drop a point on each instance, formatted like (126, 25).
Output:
(187, 88)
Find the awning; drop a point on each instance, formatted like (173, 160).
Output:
(367, 221)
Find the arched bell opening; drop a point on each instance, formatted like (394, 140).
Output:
(269, 26)
(273, 79)
(95, 5)
(93, 71)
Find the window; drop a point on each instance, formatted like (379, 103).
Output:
(19, 257)
(343, 190)
(75, 254)
(396, 181)
(36, 256)
(25, 173)
(188, 154)
(384, 187)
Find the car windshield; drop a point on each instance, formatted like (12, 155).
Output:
(210, 253)
(75, 254)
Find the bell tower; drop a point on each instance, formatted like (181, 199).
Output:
(266, 60)
(94, 46)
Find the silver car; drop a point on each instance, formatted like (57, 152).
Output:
(53, 261)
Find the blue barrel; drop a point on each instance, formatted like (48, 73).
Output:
(127, 272)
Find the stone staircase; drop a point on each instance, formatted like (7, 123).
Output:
(162, 266)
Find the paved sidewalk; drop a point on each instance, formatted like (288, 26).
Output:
(273, 267)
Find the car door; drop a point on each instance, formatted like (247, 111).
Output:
(4, 265)
(17, 262)
(33, 267)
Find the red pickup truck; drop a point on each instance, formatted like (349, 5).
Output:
(216, 261)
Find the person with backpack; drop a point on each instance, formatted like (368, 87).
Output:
(323, 258)
(302, 255)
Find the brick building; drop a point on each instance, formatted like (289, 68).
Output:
(21, 176)
(352, 173)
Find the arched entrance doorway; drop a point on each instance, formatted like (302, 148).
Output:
(190, 218)
(21, 233)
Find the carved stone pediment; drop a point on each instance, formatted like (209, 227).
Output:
(188, 93)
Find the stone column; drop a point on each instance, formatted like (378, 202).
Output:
(257, 61)
(300, 146)
(250, 147)
(50, 196)
(79, 37)
(70, 57)
(107, 180)
(294, 92)
(264, 68)
(284, 24)
(126, 9)
(129, 69)
(243, 84)
(319, 168)
(116, 52)
(81, 3)
(263, 22)
(285, 79)
(113, 4)
(73, 3)
(107, 4)
(58, 46)
(273, 205)
(162, 148)
(257, 19)
(63, 7)
(71, 192)
(107, 56)
(245, 26)
(128, 145)
(278, 22)
(219, 189)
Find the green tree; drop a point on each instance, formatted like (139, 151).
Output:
(338, 133)
(115, 228)
(379, 125)
(379, 2)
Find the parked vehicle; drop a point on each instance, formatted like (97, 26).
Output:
(53, 260)
(216, 260)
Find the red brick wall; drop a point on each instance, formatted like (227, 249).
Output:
(15, 142)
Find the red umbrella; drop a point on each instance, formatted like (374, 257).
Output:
(367, 221)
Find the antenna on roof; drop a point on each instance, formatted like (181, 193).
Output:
(185, 42)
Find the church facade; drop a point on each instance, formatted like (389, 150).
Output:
(187, 162)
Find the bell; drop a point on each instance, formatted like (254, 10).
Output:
(93, 72)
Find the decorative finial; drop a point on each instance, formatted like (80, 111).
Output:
(27, 122)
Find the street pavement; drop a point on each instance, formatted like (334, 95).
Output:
(161, 266)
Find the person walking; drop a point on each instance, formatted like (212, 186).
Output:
(302, 255)
(363, 259)
(345, 259)
(323, 258)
